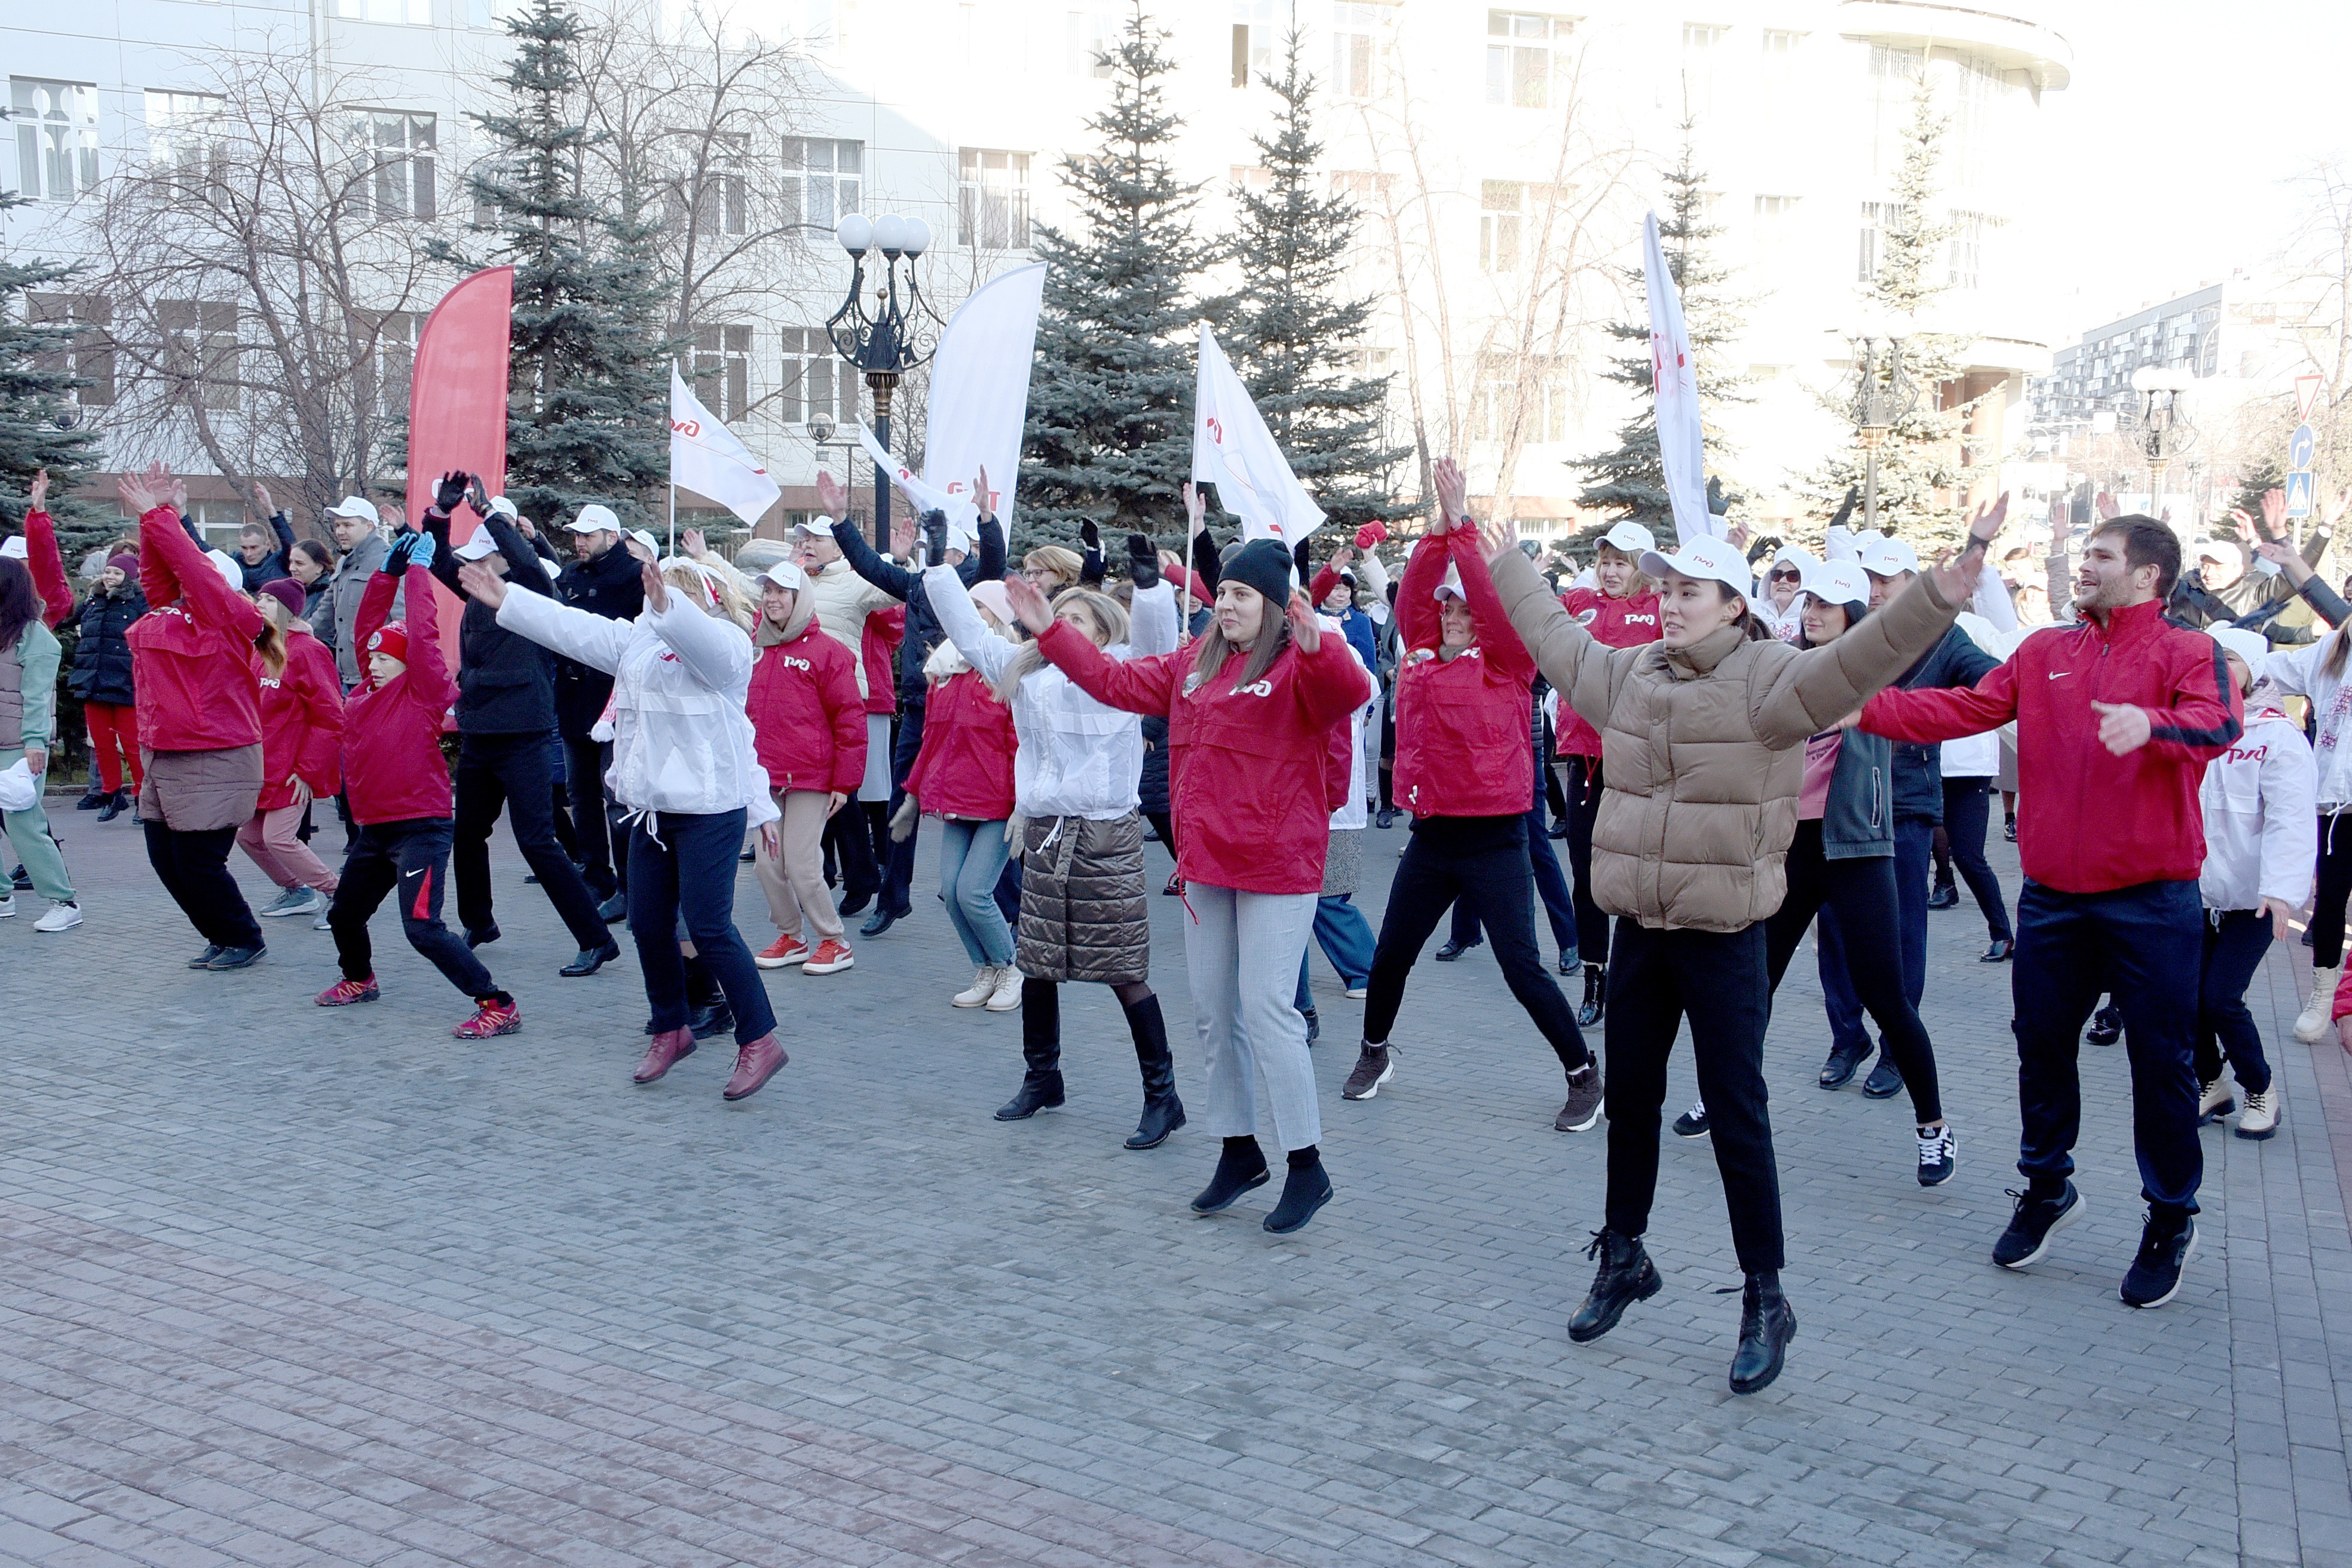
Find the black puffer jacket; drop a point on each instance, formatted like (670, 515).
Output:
(102, 666)
(611, 585)
(506, 683)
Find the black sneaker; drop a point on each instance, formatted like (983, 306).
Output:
(2030, 1227)
(2165, 1244)
(1372, 1069)
(2107, 1026)
(1305, 1190)
(1314, 1024)
(205, 959)
(1584, 1095)
(1939, 1155)
(1387, 817)
(1692, 1123)
(2009, 828)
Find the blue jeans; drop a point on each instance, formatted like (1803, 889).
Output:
(1915, 839)
(1346, 937)
(971, 857)
(2235, 941)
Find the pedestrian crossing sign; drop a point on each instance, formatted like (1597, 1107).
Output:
(2298, 493)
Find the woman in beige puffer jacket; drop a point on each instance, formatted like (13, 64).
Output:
(1703, 750)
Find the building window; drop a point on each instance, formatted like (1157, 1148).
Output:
(1877, 218)
(1090, 43)
(184, 141)
(1360, 48)
(1520, 58)
(816, 379)
(1895, 80)
(1500, 203)
(397, 150)
(200, 351)
(823, 179)
(993, 198)
(90, 356)
(383, 374)
(719, 194)
(407, 13)
(1779, 43)
(1699, 37)
(1361, 185)
(1701, 40)
(56, 137)
(493, 13)
(1965, 250)
(1254, 39)
(1499, 406)
(722, 370)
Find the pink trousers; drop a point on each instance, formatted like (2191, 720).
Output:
(270, 838)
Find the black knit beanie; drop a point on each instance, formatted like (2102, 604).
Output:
(1263, 565)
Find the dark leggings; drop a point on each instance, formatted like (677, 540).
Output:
(2335, 887)
(1482, 861)
(1968, 811)
(1861, 891)
(1165, 825)
(1583, 787)
(2235, 941)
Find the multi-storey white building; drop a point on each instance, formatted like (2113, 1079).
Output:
(1502, 158)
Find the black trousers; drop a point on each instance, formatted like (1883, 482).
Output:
(1718, 981)
(414, 857)
(898, 874)
(682, 871)
(2235, 941)
(2335, 887)
(1481, 861)
(1583, 790)
(1559, 907)
(1861, 891)
(849, 838)
(2146, 944)
(511, 772)
(594, 823)
(1967, 812)
(193, 869)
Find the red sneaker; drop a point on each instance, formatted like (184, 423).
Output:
(490, 1019)
(830, 955)
(755, 1064)
(343, 993)
(782, 953)
(664, 1052)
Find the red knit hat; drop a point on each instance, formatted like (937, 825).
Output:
(392, 641)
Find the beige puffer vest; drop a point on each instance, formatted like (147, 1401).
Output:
(1701, 747)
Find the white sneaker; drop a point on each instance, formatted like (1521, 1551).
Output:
(66, 916)
(2214, 1100)
(1357, 993)
(2261, 1117)
(1008, 990)
(2313, 1024)
(7, 906)
(976, 995)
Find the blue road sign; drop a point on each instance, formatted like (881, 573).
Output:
(2301, 446)
(2298, 492)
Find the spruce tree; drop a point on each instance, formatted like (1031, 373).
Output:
(1109, 430)
(1289, 331)
(587, 395)
(41, 425)
(1631, 480)
(1920, 476)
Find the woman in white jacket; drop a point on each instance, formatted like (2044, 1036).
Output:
(1083, 912)
(686, 773)
(2256, 799)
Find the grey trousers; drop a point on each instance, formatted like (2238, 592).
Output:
(1241, 954)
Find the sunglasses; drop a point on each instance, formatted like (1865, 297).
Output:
(1779, 572)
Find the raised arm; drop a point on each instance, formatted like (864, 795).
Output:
(376, 609)
(47, 567)
(888, 575)
(429, 675)
(1332, 681)
(1575, 662)
(1418, 625)
(524, 568)
(1135, 685)
(1498, 644)
(593, 641)
(985, 650)
(1815, 689)
(1152, 620)
(1993, 602)
(714, 651)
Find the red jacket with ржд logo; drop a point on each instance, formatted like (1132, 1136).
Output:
(807, 720)
(1615, 623)
(1246, 765)
(1463, 723)
(392, 767)
(2095, 822)
(301, 722)
(192, 652)
(879, 647)
(965, 766)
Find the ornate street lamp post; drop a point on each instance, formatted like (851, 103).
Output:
(1884, 396)
(881, 341)
(2165, 432)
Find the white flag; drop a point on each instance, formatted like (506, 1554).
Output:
(1233, 449)
(1673, 374)
(706, 457)
(980, 394)
(962, 516)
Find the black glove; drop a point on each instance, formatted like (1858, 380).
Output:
(1298, 558)
(449, 492)
(1089, 532)
(478, 495)
(1846, 509)
(395, 559)
(1207, 562)
(1142, 562)
(935, 537)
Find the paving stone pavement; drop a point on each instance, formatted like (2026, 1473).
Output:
(286, 1286)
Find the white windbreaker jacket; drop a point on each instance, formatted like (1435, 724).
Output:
(2257, 801)
(2303, 672)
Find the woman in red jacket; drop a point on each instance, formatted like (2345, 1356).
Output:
(809, 725)
(1251, 709)
(301, 745)
(199, 720)
(963, 776)
(1622, 611)
(1464, 770)
(398, 786)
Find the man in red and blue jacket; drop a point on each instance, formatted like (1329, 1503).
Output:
(2116, 716)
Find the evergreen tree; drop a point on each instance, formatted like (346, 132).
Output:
(1631, 480)
(41, 425)
(588, 395)
(1109, 432)
(1921, 477)
(1288, 333)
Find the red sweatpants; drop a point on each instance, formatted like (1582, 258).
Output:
(113, 724)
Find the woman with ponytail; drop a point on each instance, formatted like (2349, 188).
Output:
(301, 745)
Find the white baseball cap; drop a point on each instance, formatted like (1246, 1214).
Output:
(784, 575)
(1451, 585)
(1789, 555)
(644, 536)
(822, 525)
(231, 569)
(2251, 646)
(2222, 551)
(1714, 559)
(1632, 537)
(1886, 557)
(1836, 581)
(357, 506)
(14, 549)
(474, 549)
(504, 507)
(594, 519)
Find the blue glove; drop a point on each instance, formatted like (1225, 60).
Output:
(420, 550)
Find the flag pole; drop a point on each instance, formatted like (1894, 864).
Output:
(672, 488)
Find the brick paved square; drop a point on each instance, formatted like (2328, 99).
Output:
(288, 1286)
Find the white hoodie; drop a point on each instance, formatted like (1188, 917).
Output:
(2257, 804)
(2303, 672)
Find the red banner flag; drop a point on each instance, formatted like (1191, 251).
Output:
(457, 407)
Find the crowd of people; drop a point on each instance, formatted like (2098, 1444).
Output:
(1737, 750)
